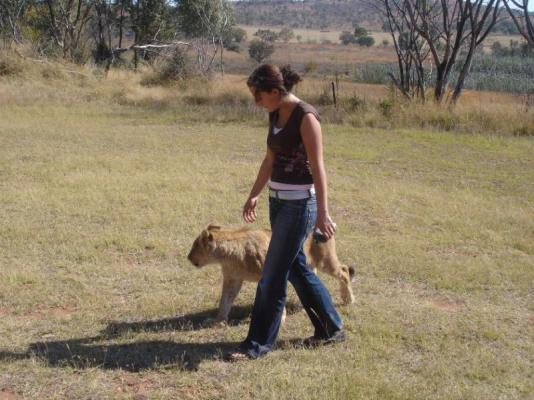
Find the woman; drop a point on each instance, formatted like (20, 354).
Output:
(294, 168)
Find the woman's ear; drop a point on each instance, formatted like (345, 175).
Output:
(275, 92)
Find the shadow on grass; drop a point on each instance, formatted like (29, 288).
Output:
(189, 322)
(134, 357)
(98, 352)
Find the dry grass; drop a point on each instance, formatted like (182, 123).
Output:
(104, 186)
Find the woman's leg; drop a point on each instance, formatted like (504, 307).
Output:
(289, 223)
(315, 298)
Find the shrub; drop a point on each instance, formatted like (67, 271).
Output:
(310, 67)
(9, 67)
(524, 130)
(170, 67)
(366, 41)
(356, 103)
(260, 50)
(386, 107)
(346, 38)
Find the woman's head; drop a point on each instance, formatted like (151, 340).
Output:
(269, 79)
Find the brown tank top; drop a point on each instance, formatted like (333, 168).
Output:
(291, 163)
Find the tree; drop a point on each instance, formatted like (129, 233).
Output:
(11, 13)
(67, 21)
(412, 77)
(366, 41)
(233, 37)
(346, 38)
(452, 31)
(286, 34)
(206, 22)
(359, 31)
(260, 50)
(523, 19)
(266, 35)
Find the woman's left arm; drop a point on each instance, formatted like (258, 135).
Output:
(312, 138)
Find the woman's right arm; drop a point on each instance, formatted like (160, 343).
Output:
(249, 209)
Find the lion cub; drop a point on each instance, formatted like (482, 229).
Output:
(241, 254)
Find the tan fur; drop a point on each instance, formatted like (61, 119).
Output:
(241, 254)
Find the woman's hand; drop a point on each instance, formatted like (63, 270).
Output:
(249, 209)
(325, 225)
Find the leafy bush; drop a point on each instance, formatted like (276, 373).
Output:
(346, 38)
(260, 50)
(310, 67)
(386, 107)
(366, 41)
(8, 67)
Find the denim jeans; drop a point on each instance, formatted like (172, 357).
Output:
(291, 222)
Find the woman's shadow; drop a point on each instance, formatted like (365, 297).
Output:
(103, 351)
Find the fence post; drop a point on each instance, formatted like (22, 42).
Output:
(334, 94)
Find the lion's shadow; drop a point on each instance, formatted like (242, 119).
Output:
(188, 322)
(100, 352)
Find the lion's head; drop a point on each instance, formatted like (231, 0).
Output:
(203, 247)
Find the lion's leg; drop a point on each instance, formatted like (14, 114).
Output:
(344, 284)
(333, 267)
(231, 288)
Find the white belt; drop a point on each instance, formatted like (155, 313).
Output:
(291, 194)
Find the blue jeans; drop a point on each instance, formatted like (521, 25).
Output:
(291, 222)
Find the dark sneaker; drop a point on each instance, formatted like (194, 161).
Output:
(314, 341)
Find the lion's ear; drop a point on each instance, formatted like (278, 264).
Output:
(213, 227)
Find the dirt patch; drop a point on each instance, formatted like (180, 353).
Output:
(57, 312)
(456, 252)
(8, 394)
(448, 304)
(133, 384)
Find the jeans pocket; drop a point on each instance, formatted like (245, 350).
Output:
(311, 212)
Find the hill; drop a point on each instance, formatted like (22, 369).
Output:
(312, 14)
(324, 14)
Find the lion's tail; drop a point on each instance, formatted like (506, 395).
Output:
(352, 273)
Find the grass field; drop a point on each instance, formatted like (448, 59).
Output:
(104, 187)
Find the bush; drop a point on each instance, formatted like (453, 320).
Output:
(170, 67)
(310, 67)
(260, 50)
(356, 103)
(266, 35)
(524, 130)
(346, 38)
(366, 41)
(9, 67)
(386, 107)
(177, 67)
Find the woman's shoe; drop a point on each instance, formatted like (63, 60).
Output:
(314, 341)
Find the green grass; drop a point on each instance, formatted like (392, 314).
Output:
(100, 203)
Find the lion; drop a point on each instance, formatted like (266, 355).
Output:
(241, 254)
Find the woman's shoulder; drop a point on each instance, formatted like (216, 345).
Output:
(306, 108)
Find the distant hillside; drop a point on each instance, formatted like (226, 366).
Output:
(309, 14)
(323, 14)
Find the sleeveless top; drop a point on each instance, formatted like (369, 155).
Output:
(291, 165)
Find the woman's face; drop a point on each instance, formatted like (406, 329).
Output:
(268, 100)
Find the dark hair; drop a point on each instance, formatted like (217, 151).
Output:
(268, 77)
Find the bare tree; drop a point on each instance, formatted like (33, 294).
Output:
(11, 12)
(412, 51)
(453, 30)
(206, 22)
(67, 22)
(524, 21)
